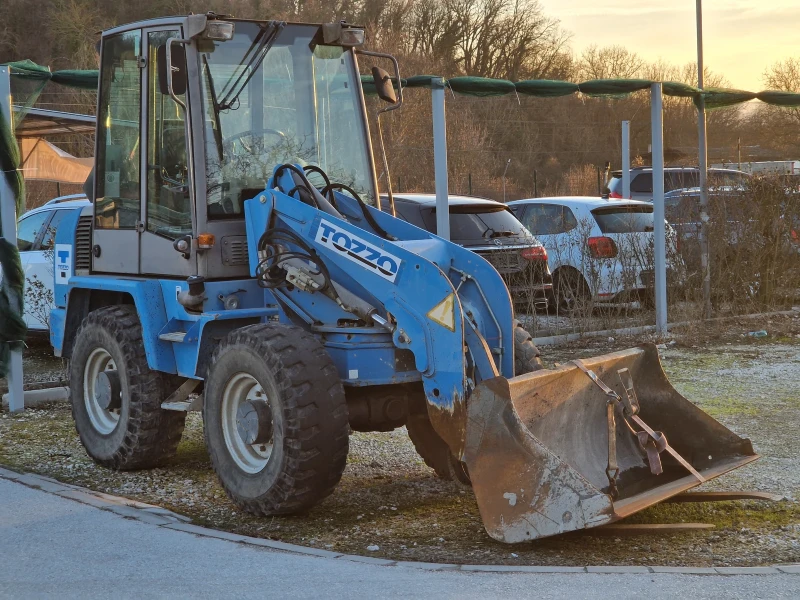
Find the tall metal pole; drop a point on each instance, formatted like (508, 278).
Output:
(8, 216)
(626, 159)
(659, 225)
(702, 153)
(440, 158)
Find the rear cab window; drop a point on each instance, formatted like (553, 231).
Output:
(624, 219)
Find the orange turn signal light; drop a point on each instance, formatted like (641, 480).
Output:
(205, 241)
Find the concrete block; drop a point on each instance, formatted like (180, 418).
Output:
(205, 532)
(84, 498)
(686, 570)
(793, 569)
(746, 570)
(624, 570)
(368, 560)
(408, 564)
(284, 547)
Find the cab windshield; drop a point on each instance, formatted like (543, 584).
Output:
(270, 97)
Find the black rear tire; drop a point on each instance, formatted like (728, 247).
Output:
(308, 443)
(434, 451)
(144, 434)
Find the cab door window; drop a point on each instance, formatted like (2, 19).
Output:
(169, 207)
(117, 179)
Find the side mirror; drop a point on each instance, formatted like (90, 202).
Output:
(178, 60)
(383, 85)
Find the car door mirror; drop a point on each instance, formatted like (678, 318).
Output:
(384, 85)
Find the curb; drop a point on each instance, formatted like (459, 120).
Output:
(564, 338)
(39, 398)
(162, 517)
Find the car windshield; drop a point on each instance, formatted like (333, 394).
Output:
(298, 103)
(478, 223)
(624, 219)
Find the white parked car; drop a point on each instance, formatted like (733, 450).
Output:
(36, 230)
(599, 250)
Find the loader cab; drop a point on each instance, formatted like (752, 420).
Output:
(194, 113)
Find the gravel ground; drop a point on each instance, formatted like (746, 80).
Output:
(390, 501)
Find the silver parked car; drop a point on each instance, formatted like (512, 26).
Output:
(675, 178)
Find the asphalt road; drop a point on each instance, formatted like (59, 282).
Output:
(54, 547)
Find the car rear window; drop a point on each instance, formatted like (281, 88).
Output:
(477, 222)
(624, 219)
(680, 180)
(643, 182)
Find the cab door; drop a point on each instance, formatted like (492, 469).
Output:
(118, 183)
(166, 213)
(143, 200)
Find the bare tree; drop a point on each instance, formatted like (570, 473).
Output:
(609, 62)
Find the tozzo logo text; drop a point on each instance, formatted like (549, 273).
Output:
(357, 250)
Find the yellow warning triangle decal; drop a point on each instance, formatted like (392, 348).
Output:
(444, 313)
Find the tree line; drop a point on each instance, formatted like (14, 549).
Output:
(555, 145)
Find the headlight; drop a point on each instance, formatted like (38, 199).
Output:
(352, 37)
(221, 31)
(338, 34)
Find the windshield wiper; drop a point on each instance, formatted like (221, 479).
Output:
(267, 38)
(495, 234)
(215, 106)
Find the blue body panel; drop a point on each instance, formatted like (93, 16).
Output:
(437, 297)
(409, 278)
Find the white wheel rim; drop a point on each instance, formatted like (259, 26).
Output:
(241, 388)
(104, 421)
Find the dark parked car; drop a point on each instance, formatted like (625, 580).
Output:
(488, 228)
(675, 178)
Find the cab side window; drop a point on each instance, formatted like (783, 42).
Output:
(118, 196)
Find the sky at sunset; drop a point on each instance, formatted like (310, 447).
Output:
(741, 37)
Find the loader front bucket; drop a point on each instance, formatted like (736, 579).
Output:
(538, 453)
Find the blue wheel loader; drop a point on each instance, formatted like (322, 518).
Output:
(235, 261)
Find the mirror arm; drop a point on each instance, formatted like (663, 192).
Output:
(399, 102)
(170, 89)
(394, 106)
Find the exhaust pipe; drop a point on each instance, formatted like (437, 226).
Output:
(588, 444)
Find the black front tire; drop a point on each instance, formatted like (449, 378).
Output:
(310, 432)
(145, 435)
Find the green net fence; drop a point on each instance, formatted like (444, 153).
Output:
(28, 79)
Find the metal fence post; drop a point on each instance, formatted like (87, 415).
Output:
(440, 158)
(702, 159)
(659, 224)
(8, 216)
(626, 159)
